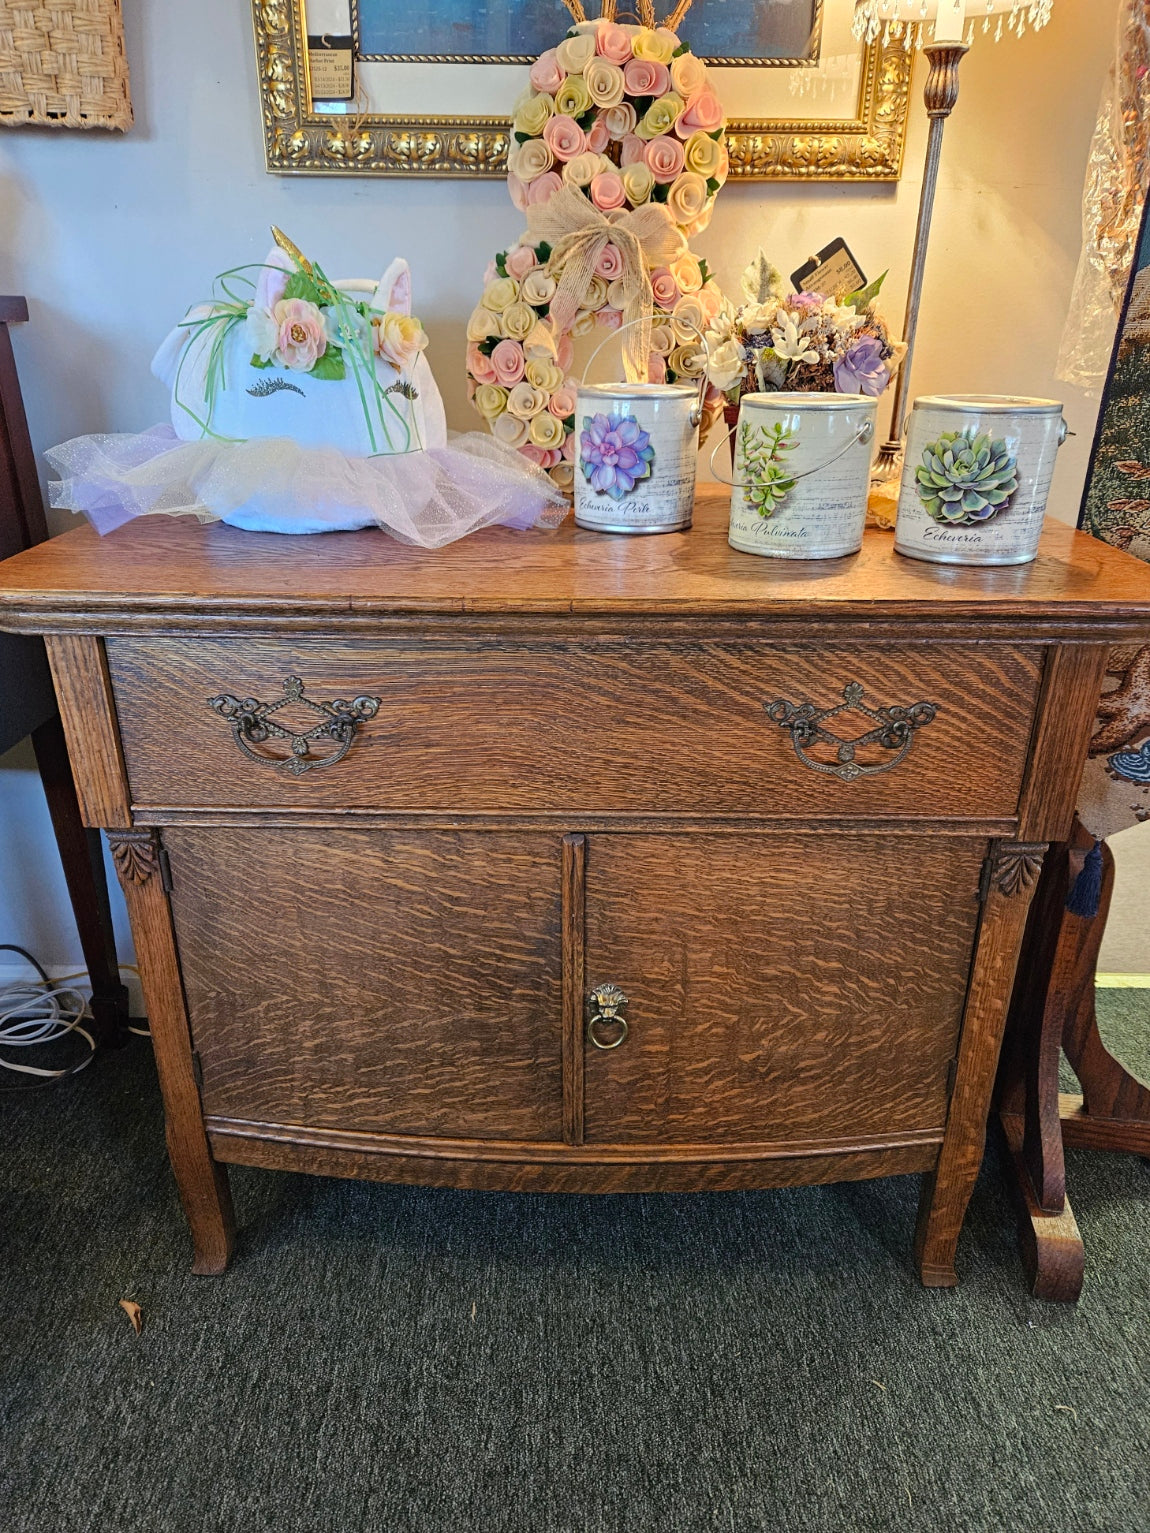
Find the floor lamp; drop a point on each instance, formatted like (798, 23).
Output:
(944, 29)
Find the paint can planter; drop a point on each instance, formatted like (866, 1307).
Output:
(636, 451)
(976, 478)
(801, 474)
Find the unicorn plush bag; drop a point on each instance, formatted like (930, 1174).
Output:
(299, 404)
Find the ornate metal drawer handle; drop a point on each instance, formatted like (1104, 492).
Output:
(252, 724)
(605, 1002)
(894, 731)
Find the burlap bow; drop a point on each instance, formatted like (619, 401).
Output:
(578, 233)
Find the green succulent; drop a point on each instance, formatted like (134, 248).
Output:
(765, 484)
(966, 477)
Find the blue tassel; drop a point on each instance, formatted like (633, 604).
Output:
(1084, 898)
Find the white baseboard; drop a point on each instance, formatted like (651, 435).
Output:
(1122, 981)
(12, 970)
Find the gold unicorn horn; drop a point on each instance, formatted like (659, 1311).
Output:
(292, 250)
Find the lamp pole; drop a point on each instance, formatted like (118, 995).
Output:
(940, 95)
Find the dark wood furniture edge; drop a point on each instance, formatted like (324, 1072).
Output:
(574, 983)
(88, 710)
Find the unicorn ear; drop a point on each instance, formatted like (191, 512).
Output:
(393, 295)
(272, 279)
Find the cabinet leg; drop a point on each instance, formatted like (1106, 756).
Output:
(1012, 872)
(202, 1181)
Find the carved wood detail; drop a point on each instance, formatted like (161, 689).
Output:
(1016, 866)
(135, 853)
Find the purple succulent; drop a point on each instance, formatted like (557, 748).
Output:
(862, 370)
(614, 453)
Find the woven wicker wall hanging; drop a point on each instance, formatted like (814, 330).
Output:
(62, 64)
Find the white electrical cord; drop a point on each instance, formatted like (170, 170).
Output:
(40, 1011)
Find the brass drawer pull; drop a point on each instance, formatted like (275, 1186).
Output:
(253, 725)
(606, 1001)
(894, 732)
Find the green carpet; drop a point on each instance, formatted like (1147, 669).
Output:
(385, 1360)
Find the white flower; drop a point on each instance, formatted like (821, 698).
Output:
(724, 364)
(262, 333)
(789, 342)
(842, 316)
(757, 318)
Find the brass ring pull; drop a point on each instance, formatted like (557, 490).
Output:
(252, 726)
(606, 1002)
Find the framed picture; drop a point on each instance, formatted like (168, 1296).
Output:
(369, 87)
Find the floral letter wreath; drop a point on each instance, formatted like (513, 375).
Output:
(617, 159)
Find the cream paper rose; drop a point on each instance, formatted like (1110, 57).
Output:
(532, 113)
(704, 154)
(519, 321)
(596, 295)
(617, 294)
(484, 325)
(620, 120)
(689, 318)
(563, 475)
(545, 375)
(584, 322)
(662, 339)
(605, 83)
(500, 294)
(687, 273)
(638, 182)
(538, 288)
(546, 430)
(531, 159)
(573, 98)
(583, 169)
(658, 46)
(575, 53)
(688, 75)
(490, 400)
(525, 401)
(688, 361)
(687, 198)
(399, 338)
(509, 429)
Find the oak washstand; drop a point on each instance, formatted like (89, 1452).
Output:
(574, 863)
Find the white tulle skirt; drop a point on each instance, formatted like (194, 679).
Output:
(275, 485)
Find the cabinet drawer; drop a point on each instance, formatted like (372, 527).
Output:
(562, 727)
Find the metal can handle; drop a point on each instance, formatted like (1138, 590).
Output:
(697, 412)
(865, 433)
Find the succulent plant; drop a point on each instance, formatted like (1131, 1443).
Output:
(966, 477)
(765, 484)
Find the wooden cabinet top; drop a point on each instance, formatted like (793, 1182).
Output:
(161, 574)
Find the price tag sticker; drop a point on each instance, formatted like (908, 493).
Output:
(834, 272)
(331, 67)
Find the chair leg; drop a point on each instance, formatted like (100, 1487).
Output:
(82, 857)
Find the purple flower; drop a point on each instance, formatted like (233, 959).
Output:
(806, 302)
(862, 369)
(614, 453)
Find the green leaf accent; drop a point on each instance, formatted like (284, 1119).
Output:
(569, 423)
(543, 252)
(488, 346)
(330, 366)
(660, 192)
(717, 134)
(679, 51)
(705, 271)
(501, 263)
(259, 362)
(299, 285)
(713, 185)
(588, 118)
(865, 295)
(521, 138)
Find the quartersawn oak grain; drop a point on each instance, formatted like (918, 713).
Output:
(572, 728)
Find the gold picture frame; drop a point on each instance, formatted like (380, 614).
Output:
(301, 140)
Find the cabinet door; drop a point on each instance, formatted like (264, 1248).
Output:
(781, 988)
(400, 982)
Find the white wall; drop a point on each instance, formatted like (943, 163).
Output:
(111, 237)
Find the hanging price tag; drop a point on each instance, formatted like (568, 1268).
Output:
(834, 272)
(331, 67)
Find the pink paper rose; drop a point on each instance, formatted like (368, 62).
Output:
(665, 157)
(480, 366)
(565, 353)
(547, 73)
(632, 150)
(665, 288)
(562, 402)
(613, 43)
(656, 368)
(508, 363)
(564, 137)
(705, 113)
(644, 77)
(610, 319)
(607, 191)
(301, 339)
(567, 452)
(609, 266)
(533, 454)
(518, 193)
(544, 187)
(598, 138)
(520, 261)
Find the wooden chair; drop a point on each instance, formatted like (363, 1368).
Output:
(1052, 1011)
(28, 706)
